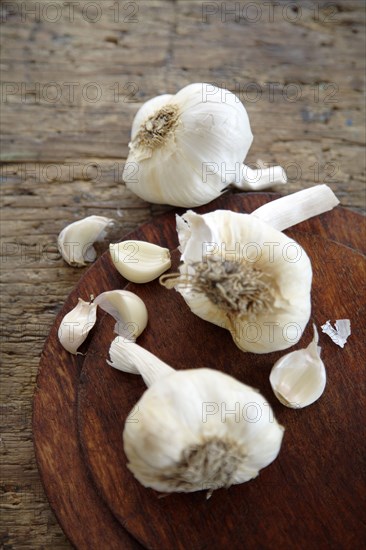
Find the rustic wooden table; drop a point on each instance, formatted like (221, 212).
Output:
(74, 75)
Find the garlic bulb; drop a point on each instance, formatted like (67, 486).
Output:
(298, 379)
(128, 310)
(75, 242)
(241, 274)
(140, 261)
(76, 325)
(238, 273)
(195, 429)
(187, 148)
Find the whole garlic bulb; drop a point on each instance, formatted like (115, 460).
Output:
(194, 429)
(242, 274)
(236, 274)
(187, 148)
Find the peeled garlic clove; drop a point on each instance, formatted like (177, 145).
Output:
(298, 379)
(75, 242)
(76, 325)
(196, 429)
(128, 310)
(140, 261)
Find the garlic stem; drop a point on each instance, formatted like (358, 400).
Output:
(297, 207)
(262, 178)
(132, 358)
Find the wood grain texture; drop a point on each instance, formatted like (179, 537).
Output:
(105, 400)
(312, 463)
(63, 159)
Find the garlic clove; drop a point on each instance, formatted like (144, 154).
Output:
(128, 310)
(76, 325)
(140, 261)
(75, 242)
(298, 379)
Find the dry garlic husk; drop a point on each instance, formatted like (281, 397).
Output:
(128, 310)
(195, 429)
(340, 333)
(140, 261)
(242, 274)
(298, 379)
(76, 325)
(187, 148)
(75, 242)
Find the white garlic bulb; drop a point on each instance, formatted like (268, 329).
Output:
(195, 429)
(75, 242)
(298, 379)
(235, 274)
(128, 310)
(76, 325)
(241, 274)
(140, 261)
(187, 148)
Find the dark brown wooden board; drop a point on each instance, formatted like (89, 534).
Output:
(310, 464)
(310, 494)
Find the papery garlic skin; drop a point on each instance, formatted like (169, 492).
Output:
(76, 325)
(128, 310)
(75, 242)
(340, 333)
(140, 261)
(298, 379)
(187, 148)
(186, 438)
(247, 243)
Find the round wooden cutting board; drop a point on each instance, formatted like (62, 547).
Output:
(311, 494)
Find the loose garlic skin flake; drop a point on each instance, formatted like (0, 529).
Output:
(76, 240)
(186, 437)
(239, 273)
(128, 310)
(298, 379)
(187, 148)
(76, 325)
(140, 261)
